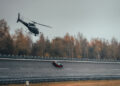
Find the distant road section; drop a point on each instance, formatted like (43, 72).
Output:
(12, 70)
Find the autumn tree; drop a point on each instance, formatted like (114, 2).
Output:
(6, 42)
(22, 43)
(48, 48)
(69, 42)
(39, 47)
(114, 48)
(57, 47)
(96, 44)
(82, 44)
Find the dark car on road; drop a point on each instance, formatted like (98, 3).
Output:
(57, 64)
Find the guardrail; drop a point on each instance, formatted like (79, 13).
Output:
(55, 79)
(55, 58)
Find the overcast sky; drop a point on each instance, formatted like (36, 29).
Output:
(92, 18)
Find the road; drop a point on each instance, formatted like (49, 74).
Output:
(41, 69)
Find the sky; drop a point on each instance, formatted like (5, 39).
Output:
(92, 18)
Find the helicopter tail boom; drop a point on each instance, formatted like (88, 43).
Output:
(18, 17)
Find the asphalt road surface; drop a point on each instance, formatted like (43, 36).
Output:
(34, 68)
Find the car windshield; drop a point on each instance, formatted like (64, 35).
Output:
(58, 63)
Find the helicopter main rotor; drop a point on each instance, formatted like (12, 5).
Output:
(41, 24)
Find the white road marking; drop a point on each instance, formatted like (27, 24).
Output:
(4, 68)
(115, 69)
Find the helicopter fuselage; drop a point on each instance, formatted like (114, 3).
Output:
(32, 25)
(32, 28)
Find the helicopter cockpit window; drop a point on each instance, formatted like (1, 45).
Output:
(31, 24)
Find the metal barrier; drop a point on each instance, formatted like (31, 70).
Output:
(55, 79)
(55, 58)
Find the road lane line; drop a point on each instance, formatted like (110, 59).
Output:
(4, 68)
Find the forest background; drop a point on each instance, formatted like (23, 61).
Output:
(68, 46)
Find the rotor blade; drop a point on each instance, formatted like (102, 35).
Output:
(42, 24)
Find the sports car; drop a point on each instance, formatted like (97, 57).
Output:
(57, 64)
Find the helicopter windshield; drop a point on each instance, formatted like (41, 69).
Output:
(31, 24)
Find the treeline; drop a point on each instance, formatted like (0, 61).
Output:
(67, 46)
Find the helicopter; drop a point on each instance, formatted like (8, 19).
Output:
(31, 25)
